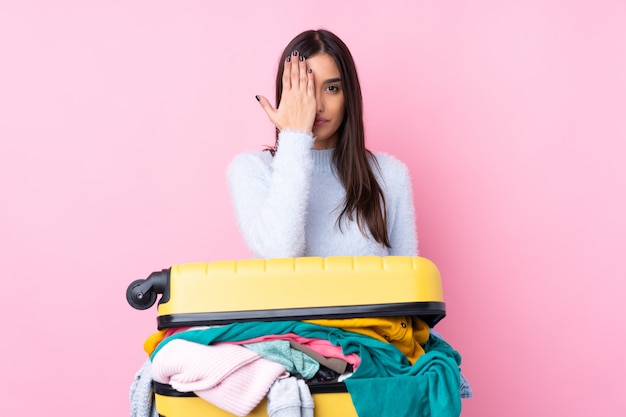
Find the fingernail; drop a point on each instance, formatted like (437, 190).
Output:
(295, 53)
(301, 58)
(310, 71)
(289, 58)
(257, 98)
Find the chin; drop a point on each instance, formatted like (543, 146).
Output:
(320, 135)
(324, 140)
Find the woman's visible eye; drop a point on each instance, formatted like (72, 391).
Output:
(333, 89)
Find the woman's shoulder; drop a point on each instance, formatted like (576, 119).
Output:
(390, 165)
(250, 161)
(264, 157)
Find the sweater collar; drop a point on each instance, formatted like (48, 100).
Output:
(322, 160)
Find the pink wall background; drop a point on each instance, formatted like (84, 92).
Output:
(118, 119)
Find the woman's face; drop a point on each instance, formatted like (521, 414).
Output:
(329, 98)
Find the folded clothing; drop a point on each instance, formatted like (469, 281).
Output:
(429, 387)
(289, 397)
(230, 377)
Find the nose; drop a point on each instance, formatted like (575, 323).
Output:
(319, 101)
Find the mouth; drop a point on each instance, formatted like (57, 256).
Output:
(320, 122)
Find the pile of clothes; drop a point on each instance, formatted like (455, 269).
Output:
(236, 366)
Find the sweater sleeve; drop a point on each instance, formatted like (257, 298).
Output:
(270, 199)
(400, 208)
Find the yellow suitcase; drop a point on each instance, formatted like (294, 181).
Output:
(224, 292)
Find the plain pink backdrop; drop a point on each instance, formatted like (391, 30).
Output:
(118, 119)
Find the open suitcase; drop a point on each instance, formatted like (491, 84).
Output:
(223, 292)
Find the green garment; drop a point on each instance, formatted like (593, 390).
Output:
(294, 361)
(384, 384)
(431, 389)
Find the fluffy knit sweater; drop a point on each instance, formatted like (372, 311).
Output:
(287, 205)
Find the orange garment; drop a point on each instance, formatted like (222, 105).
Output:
(153, 341)
(408, 333)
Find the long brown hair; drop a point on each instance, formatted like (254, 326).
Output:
(364, 200)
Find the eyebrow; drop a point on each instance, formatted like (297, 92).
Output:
(332, 80)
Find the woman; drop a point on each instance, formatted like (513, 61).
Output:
(319, 191)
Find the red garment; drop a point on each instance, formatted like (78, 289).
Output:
(321, 346)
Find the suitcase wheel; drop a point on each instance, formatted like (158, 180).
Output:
(139, 299)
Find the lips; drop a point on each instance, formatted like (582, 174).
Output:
(320, 122)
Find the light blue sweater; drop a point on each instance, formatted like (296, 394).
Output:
(288, 205)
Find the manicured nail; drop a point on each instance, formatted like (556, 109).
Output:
(258, 98)
(310, 71)
(289, 58)
(301, 58)
(295, 53)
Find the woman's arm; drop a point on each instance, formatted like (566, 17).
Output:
(270, 196)
(400, 208)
